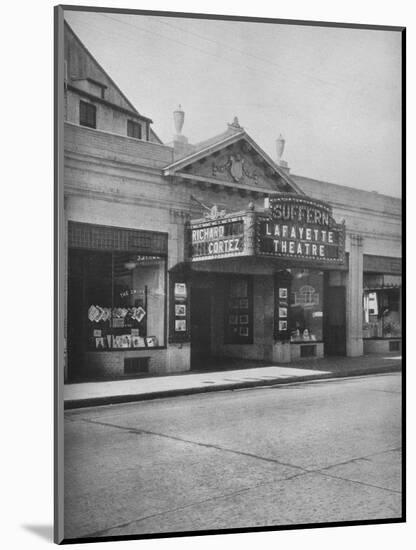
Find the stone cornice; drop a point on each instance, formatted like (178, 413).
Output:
(110, 196)
(213, 181)
(109, 163)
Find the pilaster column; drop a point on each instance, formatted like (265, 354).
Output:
(177, 237)
(354, 305)
(250, 232)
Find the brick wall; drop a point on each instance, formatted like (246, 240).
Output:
(102, 144)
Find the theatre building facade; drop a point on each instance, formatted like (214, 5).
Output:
(180, 256)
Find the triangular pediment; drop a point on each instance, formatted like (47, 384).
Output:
(234, 159)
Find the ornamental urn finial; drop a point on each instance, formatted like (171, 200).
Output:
(235, 123)
(280, 147)
(179, 119)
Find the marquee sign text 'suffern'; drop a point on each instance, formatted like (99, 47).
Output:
(300, 228)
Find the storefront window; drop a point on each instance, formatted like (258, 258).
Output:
(381, 306)
(123, 299)
(306, 305)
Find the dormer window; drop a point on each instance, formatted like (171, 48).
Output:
(90, 86)
(134, 129)
(87, 114)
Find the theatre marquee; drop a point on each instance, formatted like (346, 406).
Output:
(219, 238)
(294, 227)
(300, 228)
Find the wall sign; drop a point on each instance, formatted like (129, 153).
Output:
(217, 239)
(300, 228)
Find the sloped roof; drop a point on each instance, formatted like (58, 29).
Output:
(348, 196)
(231, 131)
(99, 72)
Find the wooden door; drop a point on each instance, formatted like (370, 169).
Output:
(334, 328)
(200, 326)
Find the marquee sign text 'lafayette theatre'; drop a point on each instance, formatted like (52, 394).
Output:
(301, 228)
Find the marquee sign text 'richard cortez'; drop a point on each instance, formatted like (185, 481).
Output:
(215, 239)
(302, 228)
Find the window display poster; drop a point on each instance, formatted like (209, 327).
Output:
(282, 326)
(99, 343)
(372, 303)
(283, 293)
(138, 342)
(151, 341)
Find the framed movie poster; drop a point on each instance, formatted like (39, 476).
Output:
(193, 258)
(180, 290)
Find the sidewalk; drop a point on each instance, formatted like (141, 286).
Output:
(88, 394)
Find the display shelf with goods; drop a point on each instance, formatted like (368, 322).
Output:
(121, 297)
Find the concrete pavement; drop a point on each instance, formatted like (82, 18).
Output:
(120, 391)
(327, 451)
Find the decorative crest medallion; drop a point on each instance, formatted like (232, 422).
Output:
(236, 167)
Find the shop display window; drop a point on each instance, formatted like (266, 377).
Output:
(382, 306)
(123, 298)
(306, 305)
(239, 311)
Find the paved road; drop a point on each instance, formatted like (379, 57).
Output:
(312, 452)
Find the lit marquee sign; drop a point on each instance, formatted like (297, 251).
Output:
(300, 228)
(296, 228)
(217, 239)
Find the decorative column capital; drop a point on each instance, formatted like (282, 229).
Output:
(356, 239)
(178, 216)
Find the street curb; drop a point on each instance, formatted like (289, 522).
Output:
(130, 398)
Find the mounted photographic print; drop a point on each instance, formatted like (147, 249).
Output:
(283, 293)
(180, 325)
(180, 310)
(282, 311)
(243, 331)
(229, 217)
(282, 325)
